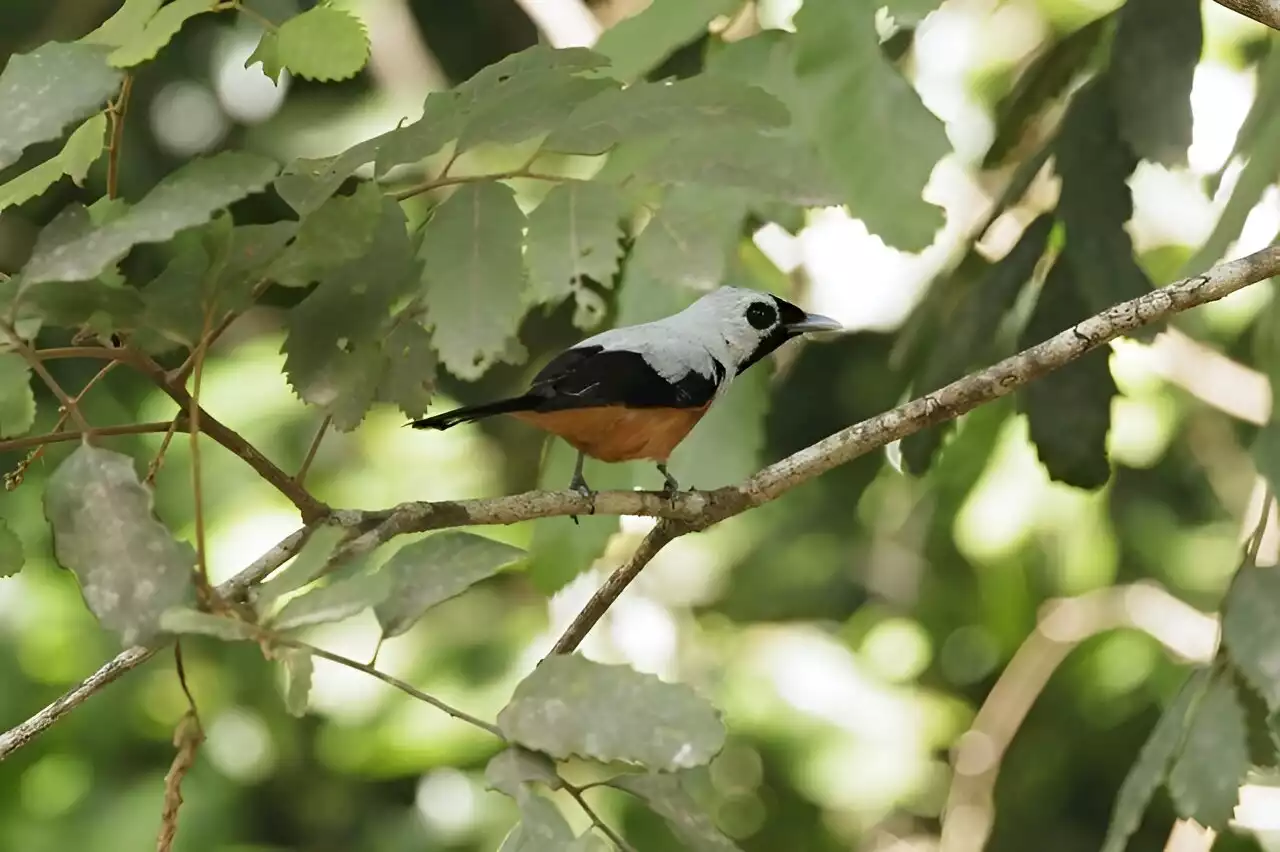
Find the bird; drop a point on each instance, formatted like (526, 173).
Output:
(635, 392)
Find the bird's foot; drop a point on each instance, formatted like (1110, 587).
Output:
(669, 485)
(579, 484)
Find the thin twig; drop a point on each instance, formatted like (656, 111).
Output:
(154, 468)
(197, 491)
(179, 376)
(301, 476)
(116, 113)
(14, 478)
(37, 366)
(187, 738)
(15, 444)
(1263, 11)
(386, 678)
(447, 180)
(1260, 530)
(617, 839)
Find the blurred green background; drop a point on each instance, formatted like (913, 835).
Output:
(850, 631)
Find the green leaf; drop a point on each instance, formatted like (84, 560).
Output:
(338, 231)
(73, 303)
(17, 399)
(1266, 450)
(184, 621)
(911, 12)
(306, 184)
(868, 115)
(268, 53)
(441, 118)
(1261, 113)
(11, 556)
(588, 841)
(1251, 629)
(570, 705)
(1205, 780)
(43, 91)
(1069, 410)
(638, 44)
(542, 828)
(690, 239)
(410, 373)
(143, 45)
(70, 248)
(435, 569)
(299, 668)
(1149, 770)
(130, 567)
(511, 768)
(304, 568)
(1153, 59)
(668, 799)
(574, 234)
(972, 309)
(1044, 80)
(82, 150)
(1095, 203)
(323, 44)
(337, 601)
(174, 302)
(473, 276)
(333, 352)
(693, 105)
(125, 25)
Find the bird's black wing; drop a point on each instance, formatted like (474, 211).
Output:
(589, 376)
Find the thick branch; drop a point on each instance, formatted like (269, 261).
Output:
(1263, 11)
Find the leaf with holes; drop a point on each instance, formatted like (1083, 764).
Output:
(184, 621)
(542, 828)
(1251, 629)
(125, 25)
(669, 800)
(1205, 780)
(637, 44)
(1069, 410)
(570, 705)
(44, 91)
(267, 53)
(323, 43)
(868, 115)
(410, 373)
(82, 150)
(473, 276)
(509, 769)
(130, 567)
(574, 234)
(299, 668)
(337, 601)
(71, 248)
(1150, 769)
(1153, 58)
(11, 556)
(144, 44)
(17, 399)
(435, 569)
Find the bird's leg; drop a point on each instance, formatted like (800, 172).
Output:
(669, 485)
(579, 482)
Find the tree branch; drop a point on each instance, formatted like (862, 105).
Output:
(1263, 11)
(15, 444)
(694, 511)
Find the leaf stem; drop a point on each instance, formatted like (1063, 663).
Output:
(154, 468)
(447, 180)
(1260, 529)
(182, 372)
(29, 354)
(617, 839)
(193, 430)
(301, 476)
(15, 444)
(14, 478)
(116, 112)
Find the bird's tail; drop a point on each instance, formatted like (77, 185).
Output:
(473, 412)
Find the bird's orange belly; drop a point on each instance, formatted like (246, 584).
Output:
(615, 433)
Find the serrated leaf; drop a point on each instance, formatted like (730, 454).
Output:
(972, 311)
(323, 43)
(1153, 60)
(335, 602)
(299, 668)
(130, 567)
(306, 184)
(435, 569)
(184, 621)
(339, 230)
(1149, 770)
(511, 768)
(542, 828)
(304, 568)
(1069, 410)
(43, 91)
(333, 356)
(441, 118)
(668, 799)
(70, 248)
(689, 240)
(574, 234)
(639, 43)
(473, 276)
(92, 303)
(125, 25)
(143, 45)
(1262, 746)
(1251, 629)
(692, 105)
(410, 373)
(175, 301)
(1205, 780)
(268, 54)
(17, 399)
(11, 556)
(1094, 164)
(82, 150)
(570, 705)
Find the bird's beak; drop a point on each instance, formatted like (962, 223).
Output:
(814, 322)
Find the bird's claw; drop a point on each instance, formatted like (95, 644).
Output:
(670, 488)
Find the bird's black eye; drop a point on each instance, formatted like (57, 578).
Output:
(761, 315)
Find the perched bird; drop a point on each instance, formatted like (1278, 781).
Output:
(636, 392)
